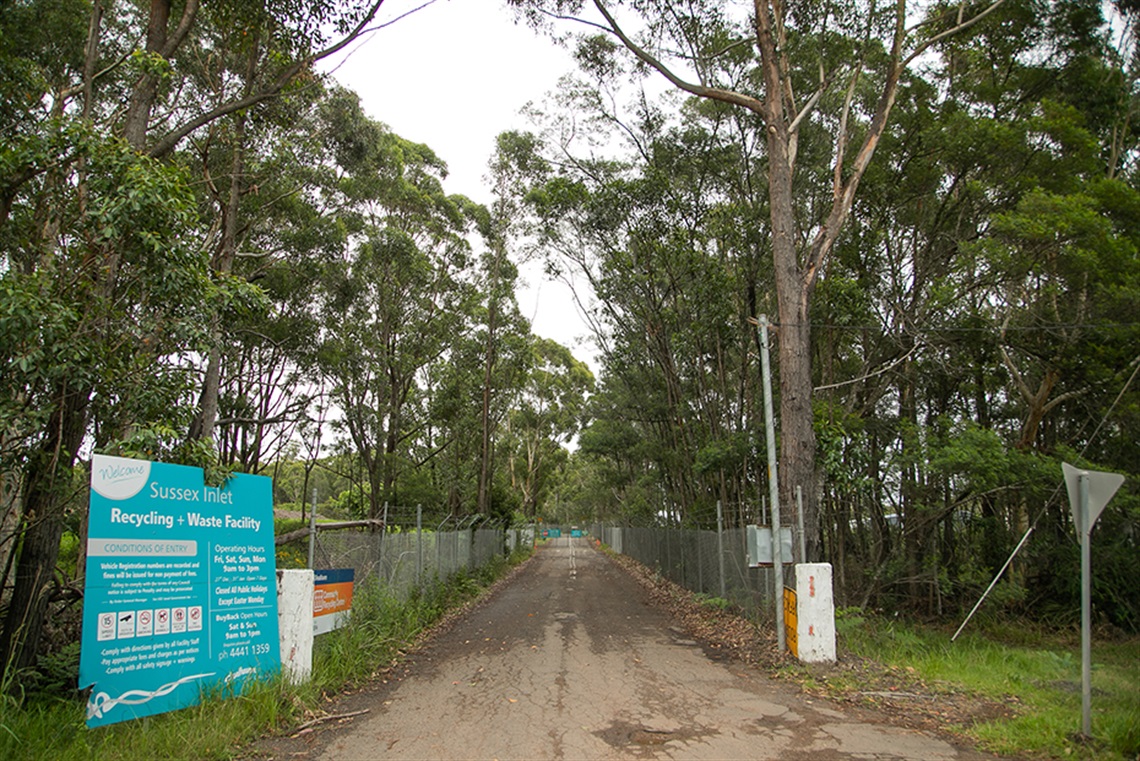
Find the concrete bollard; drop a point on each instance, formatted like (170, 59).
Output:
(295, 623)
(815, 613)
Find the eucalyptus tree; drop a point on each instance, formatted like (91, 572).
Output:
(986, 187)
(399, 297)
(508, 165)
(834, 67)
(101, 234)
(546, 416)
(665, 235)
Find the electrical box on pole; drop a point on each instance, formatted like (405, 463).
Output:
(759, 543)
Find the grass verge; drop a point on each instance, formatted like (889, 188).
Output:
(1017, 685)
(42, 726)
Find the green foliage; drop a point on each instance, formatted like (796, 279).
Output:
(717, 603)
(1020, 663)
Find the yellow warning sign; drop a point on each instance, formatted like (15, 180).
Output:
(790, 621)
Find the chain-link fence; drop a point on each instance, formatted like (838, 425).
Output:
(411, 551)
(707, 561)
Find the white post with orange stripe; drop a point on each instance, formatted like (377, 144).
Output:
(815, 613)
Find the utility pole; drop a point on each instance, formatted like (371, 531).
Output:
(773, 486)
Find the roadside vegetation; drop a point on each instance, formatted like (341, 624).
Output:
(49, 722)
(1022, 678)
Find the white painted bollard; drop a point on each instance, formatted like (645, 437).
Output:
(295, 623)
(815, 613)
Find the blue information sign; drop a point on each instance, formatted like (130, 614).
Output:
(181, 588)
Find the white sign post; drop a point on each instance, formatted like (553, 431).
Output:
(1089, 492)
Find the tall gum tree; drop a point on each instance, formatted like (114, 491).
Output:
(801, 78)
(117, 94)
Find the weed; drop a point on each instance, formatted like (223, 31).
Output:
(709, 601)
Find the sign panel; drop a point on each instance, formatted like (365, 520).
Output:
(1102, 488)
(332, 598)
(791, 621)
(180, 589)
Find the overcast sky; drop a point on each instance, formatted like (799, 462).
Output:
(453, 76)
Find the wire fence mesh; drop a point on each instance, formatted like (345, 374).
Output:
(711, 562)
(411, 552)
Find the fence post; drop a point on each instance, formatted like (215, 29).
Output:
(313, 528)
(439, 548)
(380, 545)
(700, 564)
(720, 544)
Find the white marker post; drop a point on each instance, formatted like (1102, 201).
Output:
(295, 623)
(1089, 492)
(815, 613)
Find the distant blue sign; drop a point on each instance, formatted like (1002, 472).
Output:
(181, 590)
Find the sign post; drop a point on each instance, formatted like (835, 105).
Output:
(180, 587)
(1089, 492)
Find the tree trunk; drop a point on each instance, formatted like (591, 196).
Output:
(203, 424)
(142, 99)
(49, 477)
(483, 499)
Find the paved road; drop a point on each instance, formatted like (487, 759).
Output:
(571, 661)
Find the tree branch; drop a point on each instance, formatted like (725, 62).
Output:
(712, 93)
(189, 11)
(958, 27)
(171, 140)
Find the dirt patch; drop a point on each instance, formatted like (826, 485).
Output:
(632, 737)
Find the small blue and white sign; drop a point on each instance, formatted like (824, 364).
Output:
(180, 589)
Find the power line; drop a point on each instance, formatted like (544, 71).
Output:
(995, 329)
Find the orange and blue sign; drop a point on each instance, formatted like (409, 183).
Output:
(332, 598)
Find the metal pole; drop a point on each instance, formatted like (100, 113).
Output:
(800, 518)
(1086, 607)
(313, 529)
(420, 546)
(720, 544)
(773, 486)
(993, 583)
(380, 546)
(700, 561)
